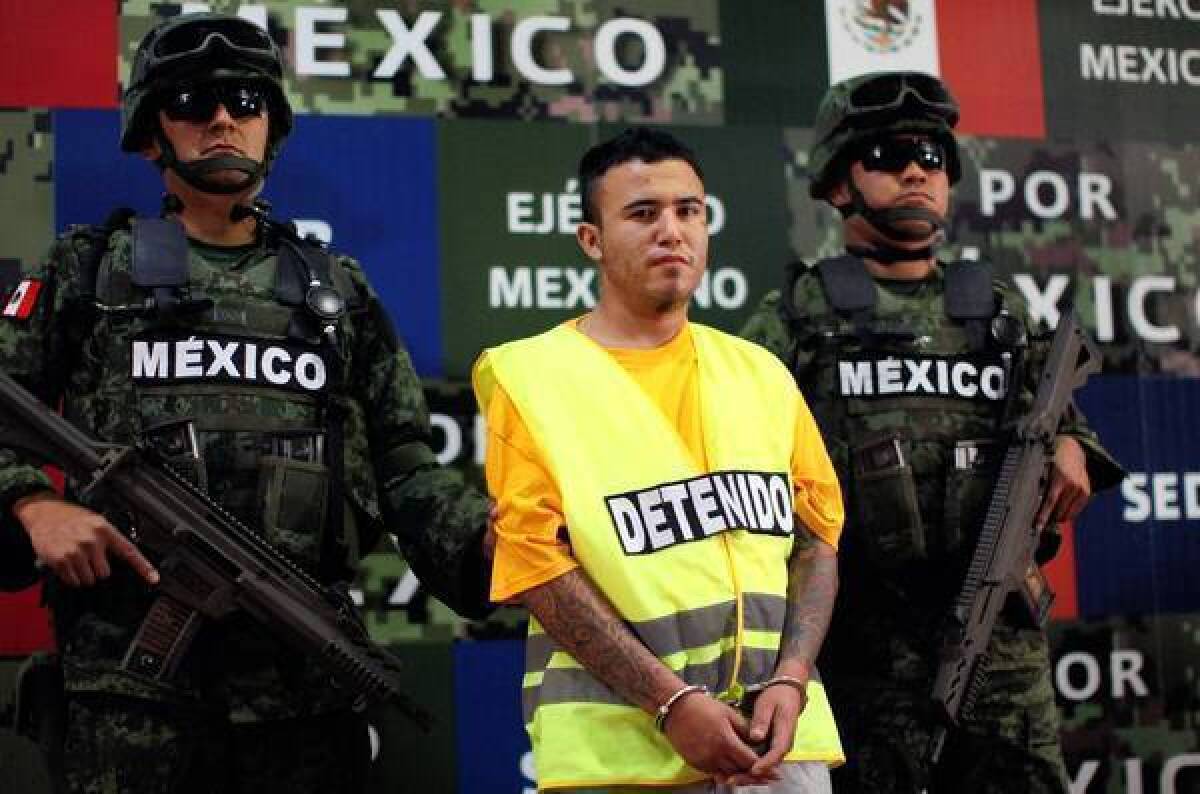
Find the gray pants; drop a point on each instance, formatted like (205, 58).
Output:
(804, 777)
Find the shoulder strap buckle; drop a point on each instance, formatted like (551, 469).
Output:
(304, 278)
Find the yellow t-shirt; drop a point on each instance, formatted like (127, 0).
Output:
(532, 540)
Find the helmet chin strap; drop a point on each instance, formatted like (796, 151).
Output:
(888, 222)
(198, 173)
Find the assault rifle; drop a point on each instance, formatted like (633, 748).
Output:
(211, 565)
(1003, 561)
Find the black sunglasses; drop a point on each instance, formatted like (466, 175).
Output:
(893, 155)
(199, 103)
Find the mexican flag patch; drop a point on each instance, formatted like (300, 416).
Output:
(24, 298)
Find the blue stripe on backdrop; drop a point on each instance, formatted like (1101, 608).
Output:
(1137, 547)
(372, 182)
(492, 746)
(92, 176)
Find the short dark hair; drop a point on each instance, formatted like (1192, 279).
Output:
(635, 143)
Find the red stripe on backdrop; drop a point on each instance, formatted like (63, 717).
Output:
(1060, 573)
(990, 54)
(25, 623)
(59, 54)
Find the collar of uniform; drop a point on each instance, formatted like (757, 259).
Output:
(908, 287)
(226, 254)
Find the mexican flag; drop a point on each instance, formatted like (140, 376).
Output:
(988, 53)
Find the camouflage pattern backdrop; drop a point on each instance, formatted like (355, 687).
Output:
(1127, 691)
(564, 60)
(1081, 172)
(26, 186)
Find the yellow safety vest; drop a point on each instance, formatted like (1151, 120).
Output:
(695, 560)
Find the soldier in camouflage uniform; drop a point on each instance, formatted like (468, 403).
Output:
(268, 370)
(905, 361)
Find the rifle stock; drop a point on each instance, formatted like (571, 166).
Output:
(211, 565)
(1003, 562)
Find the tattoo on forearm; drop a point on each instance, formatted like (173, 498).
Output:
(812, 587)
(579, 618)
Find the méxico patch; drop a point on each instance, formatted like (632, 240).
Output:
(979, 377)
(23, 301)
(222, 359)
(652, 519)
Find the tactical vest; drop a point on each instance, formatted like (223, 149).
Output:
(694, 560)
(221, 367)
(909, 391)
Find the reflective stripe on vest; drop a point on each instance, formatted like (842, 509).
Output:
(709, 604)
(668, 636)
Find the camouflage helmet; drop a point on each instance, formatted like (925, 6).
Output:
(201, 47)
(862, 108)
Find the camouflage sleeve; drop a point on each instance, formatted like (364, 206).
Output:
(30, 338)
(790, 339)
(1104, 471)
(768, 328)
(438, 519)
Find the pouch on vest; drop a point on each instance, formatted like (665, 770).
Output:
(176, 441)
(970, 478)
(885, 497)
(294, 496)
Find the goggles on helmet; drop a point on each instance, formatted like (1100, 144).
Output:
(236, 35)
(199, 103)
(892, 155)
(890, 92)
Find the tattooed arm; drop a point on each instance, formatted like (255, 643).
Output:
(812, 585)
(704, 731)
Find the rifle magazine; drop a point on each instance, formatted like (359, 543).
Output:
(162, 639)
